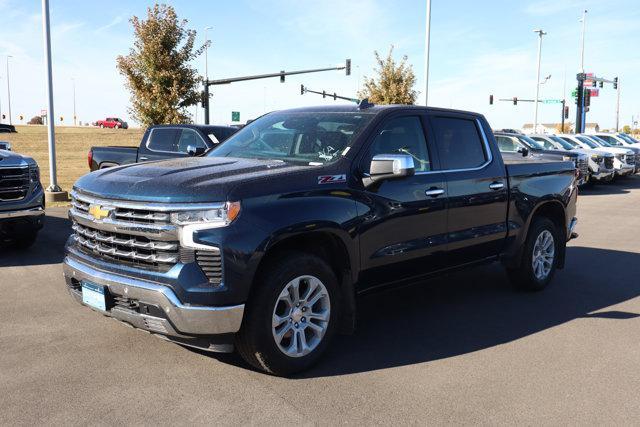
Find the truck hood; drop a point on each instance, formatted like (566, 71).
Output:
(186, 180)
(9, 158)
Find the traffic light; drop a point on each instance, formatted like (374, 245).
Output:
(490, 99)
(347, 67)
(515, 100)
(615, 83)
(281, 76)
(61, 119)
(566, 112)
(594, 84)
(301, 89)
(21, 117)
(587, 98)
(601, 84)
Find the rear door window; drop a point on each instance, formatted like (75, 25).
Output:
(459, 143)
(162, 139)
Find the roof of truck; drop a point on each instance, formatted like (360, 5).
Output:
(373, 108)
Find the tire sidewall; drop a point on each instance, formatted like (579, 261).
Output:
(540, 225)
(271, 358)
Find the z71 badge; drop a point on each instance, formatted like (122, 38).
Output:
(331, 179)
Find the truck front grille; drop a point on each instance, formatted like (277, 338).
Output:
(583, 167)
(127, 214)
(211, 264)
(608, 162)
(630, 159)
(14, 183)
(127, 249)
(637, 159)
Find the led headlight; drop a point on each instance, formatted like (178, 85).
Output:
(34, 173)
(196, 220)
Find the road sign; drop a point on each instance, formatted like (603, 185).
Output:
(574, 93)
(552, 101)
(594, 92)
(588, 81)
(235, 116)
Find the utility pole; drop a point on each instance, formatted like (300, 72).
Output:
(55, 193)
(427, 43)
(535, 114)
(73, 82)
(618, 108)
(584, 26)
(9, 88)
(206, 74)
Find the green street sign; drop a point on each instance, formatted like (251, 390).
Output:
(235, 116)
(552, 101)
(574, 94)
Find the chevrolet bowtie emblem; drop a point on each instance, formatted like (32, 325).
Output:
(98, 212)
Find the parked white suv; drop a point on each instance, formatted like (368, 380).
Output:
(631, 159)
(600, 163)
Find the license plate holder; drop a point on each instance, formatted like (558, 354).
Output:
(94, 295)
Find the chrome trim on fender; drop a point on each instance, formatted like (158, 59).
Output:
(22, 213)
(186, 319)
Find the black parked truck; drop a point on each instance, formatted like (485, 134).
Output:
(265, 243)
(162, 142)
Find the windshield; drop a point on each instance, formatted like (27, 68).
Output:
(531, 143)
(587, 141)
(303, 137)
(602, 142)
(565, 144)
(627, 138)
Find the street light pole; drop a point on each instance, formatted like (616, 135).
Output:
(9, 88)
(618, 108)
(206, 72)
(55, 192)
(535, 114)
(584, 26)
(427, 43)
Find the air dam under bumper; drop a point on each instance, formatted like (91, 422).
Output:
(181, 321)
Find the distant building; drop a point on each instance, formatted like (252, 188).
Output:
(554, 127)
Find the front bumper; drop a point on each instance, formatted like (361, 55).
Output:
(603, 174)
(23, 213)
(625, 170)
(158, 308)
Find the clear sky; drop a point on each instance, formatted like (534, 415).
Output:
(477, 48)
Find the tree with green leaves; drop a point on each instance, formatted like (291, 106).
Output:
(158, 68)
(626, 129)
(393, 84)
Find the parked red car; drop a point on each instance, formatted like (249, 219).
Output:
(112, 122)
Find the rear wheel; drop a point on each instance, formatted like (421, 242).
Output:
(540, 256)
(291, 317)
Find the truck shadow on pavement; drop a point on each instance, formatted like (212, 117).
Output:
(619, 186)
(48, 249)
(477, 309)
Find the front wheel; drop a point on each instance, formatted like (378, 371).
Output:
(540, 257)
(292, 315)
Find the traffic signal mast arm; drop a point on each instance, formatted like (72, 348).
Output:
(324, 94)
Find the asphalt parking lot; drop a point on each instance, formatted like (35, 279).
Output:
(462, 349)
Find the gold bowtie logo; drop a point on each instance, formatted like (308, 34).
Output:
(98, 212)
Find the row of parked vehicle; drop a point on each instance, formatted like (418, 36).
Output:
(599, 157)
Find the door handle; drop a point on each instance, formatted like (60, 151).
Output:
(496, 186)
(143, 158)
(434, 192)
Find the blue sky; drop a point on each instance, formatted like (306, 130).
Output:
(477, 48)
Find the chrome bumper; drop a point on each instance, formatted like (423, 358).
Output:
(22, 213)
(180, 320)
(602, 174)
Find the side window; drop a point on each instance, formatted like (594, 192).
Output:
(163, 139)
(402, 135)
(190, 137)
(546, 144)
(459, 143)
(506, 144)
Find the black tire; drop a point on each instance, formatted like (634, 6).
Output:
(255, 341)
(523, 276)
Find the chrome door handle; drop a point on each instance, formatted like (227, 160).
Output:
(496, 186)
(434, 192)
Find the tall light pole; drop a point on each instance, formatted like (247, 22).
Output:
(73, 82)
(55, 192)
(427, 43)
(618, 107)
(9, 88)
(206, 48)
(584, 26)
(535, 109)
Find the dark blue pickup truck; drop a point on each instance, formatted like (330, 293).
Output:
(21, 200)
(162, 142)
(264, 243)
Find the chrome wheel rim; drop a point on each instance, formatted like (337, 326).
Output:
(543, 253)
(301, 316)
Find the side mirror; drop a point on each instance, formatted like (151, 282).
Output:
(524, 151)
(5, 146)
(195, 151)
(390, 166)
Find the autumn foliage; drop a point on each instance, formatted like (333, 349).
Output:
(393, 84)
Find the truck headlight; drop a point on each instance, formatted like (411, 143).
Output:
(34, 173)
(214, 217)
(192, 221)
